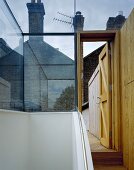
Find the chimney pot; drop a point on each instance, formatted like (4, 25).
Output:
(78, 13)
(120, 13)
(32, 1)
(38, 1)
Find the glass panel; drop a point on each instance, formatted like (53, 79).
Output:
(11, 61)
(41, 79)
(49, 77)
(58, 14)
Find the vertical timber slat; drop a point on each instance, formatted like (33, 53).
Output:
(127, 90)
(116, 120)
(79, 71)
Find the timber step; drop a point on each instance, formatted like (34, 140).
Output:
(107, 158)
(109, 167)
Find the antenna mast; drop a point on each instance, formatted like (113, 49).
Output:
(74, 7)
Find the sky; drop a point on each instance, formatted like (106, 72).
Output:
(96, 13)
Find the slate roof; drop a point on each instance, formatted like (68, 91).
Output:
(55, 64)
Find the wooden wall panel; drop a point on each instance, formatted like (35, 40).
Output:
(116, 114)
(127, 90)
(94, 109)
(79, 71)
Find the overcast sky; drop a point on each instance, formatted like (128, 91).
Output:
(96, 13)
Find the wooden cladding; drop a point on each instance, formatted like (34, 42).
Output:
(122, 85)
(127, 89)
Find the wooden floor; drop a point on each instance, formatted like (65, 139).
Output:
(99, 167)
(103, 158)
(96, 146)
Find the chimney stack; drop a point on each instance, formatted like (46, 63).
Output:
(78, 22)
(116, 22)
(36, 17)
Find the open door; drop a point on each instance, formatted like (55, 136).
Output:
(105, 97)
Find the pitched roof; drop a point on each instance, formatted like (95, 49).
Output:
(47, 54)
(54, 64)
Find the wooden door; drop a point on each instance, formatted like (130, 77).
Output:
(105, 97)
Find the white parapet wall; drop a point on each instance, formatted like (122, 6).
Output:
(37, 141)
(14, 144)
(51, 141)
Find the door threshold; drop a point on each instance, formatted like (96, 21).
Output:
(95, 144)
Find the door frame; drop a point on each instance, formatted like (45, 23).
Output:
(112, 37)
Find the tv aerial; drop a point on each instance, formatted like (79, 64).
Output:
(69, 22)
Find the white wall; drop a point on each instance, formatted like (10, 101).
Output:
(13, 140)
(51, 141)
(85, 114)
(40, 141)
(94, 106)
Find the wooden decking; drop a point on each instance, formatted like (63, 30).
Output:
(103, 158)
(96, 146)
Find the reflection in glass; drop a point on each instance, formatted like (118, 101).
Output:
(11, 61)
(37, 74)
(49, 79)
(11, 78)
